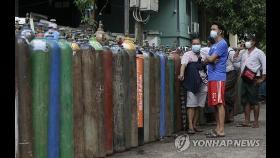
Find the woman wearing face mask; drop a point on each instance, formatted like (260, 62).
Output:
(253, 61)
(194, 77)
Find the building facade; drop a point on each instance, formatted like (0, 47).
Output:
(175, 22)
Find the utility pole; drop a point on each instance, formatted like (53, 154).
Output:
(139, 33)
(126, 17)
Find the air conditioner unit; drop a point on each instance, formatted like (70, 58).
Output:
(134, 3)
(149, 5)
(195, 27)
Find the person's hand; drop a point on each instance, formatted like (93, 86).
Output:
(181, 77)
(236, 54)
(216, 61)
(259, 81)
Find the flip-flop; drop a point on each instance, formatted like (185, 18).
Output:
(215, 135)
(255, 126)
(198, 130)
(243, 125)
(190, 131)
(212, 131)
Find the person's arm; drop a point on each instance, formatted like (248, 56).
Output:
(262, 58)
(219, 50)
(211, 59)
(184, 62)
(182, 70)
(238, 54)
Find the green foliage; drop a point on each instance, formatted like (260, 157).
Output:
(82, 5)
(239, 16)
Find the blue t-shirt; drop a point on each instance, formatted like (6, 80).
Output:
(217, 71)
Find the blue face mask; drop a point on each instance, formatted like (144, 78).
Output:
(196, 48)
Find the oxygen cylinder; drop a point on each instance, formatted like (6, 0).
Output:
(146, 94)
(118, 97)
(177, 104)
(99, 89)
(157, 86)
(66, 100)
(171, 93)
(78, 106)
(52, 30)
(162, 95)
(40, 67)
(24, 96)
(152, 98)
(108, 99)
(168, 118)
(90, 110)
(140, 105)
(54, 98)
(131, 123)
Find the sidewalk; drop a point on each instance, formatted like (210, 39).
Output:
(166, 148)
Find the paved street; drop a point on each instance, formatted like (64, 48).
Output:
(167, 149)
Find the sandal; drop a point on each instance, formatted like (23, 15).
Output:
(212, 131)
(198, 130)
(214, 135)
(255, 126)
(191, 131)
(243, 125)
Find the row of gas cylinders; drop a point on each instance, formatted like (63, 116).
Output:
(88, 101)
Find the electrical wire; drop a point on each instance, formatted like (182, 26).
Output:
(100, 12)
(137, 16)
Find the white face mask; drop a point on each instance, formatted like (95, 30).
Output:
(196, 48)
(248, 45)
(213, 34)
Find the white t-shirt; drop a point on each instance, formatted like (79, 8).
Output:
(230, 60)
(192, 57)
(255, 61)
(205, 50)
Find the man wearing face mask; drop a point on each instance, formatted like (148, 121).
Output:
(194, 77)
(216, 60)
(253, 61)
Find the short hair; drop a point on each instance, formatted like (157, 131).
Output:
(220, 26)
(195, 38)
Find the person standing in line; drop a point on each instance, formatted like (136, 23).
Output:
(216, 61)
(253, 61)
(194, 77)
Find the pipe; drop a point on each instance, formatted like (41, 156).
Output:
(126, 17)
